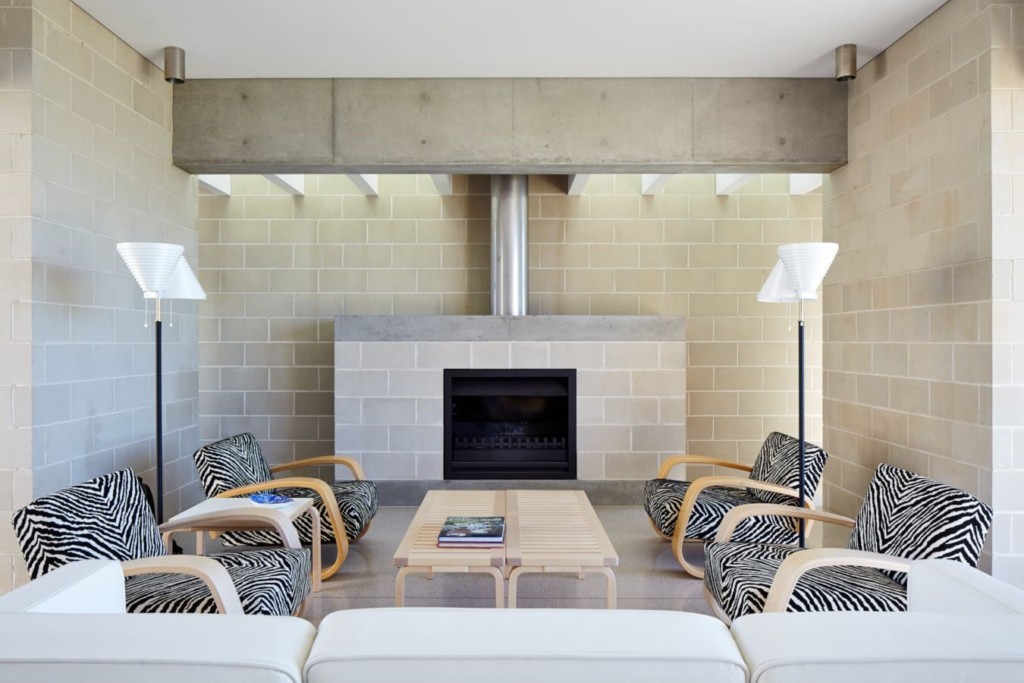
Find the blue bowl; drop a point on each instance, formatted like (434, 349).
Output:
(269, 499)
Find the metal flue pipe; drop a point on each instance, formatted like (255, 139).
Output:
(509, 245)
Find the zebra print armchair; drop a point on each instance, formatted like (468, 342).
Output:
(235, 466)
(904, 517)
(683, 511)
(108, 518)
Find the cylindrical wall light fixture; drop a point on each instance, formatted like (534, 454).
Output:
(846, 62)
(174, 65)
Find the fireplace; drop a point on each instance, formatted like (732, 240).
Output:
(510, 424)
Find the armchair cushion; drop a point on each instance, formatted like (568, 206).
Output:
(663, 498)
(273, 582)
(911, 516)
(108, 518)
(230, 463)
(739, 575)
(238, 461)
(904, 515)
(778, 462)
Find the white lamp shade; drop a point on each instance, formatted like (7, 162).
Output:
(777, 289)
(150, 263)
(806, 264)
(181, 284)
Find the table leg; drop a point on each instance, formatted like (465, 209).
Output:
(499, 585)
(499, 580)
(611, 585)
(513, 585)
(513, 580)
(400, 585)
(317, 569)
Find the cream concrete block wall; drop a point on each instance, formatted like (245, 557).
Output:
(1007, 366)
(279, 268)
(92, 152)
(919, 311)
(15, 275)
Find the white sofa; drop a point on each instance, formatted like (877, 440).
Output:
(69, 625)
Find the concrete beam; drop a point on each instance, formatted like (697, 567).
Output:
(615, 125)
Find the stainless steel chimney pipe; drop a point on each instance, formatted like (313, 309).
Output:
(509, 244)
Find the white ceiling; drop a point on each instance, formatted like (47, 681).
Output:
(514, 38)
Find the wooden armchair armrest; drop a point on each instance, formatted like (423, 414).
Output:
(675, 460)
(330, 503)
(734, 516)
(690, 500)
(355, 467)
(210, 572)
(794, 566)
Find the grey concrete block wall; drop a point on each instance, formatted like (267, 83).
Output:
(76, 384)
(16, 359)
(630, 385)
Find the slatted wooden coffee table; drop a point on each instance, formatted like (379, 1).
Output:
(418, 551)
(555, 532)
(545, 532)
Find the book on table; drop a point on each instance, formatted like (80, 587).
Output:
(475, 532)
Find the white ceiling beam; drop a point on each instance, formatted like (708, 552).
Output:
(802, 183)
(728, 183)
(215, 184)
(293, 184)
(443, 182)
(650, 183)
(366, 182)
(577, 182)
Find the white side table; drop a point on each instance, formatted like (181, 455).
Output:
(239, 514)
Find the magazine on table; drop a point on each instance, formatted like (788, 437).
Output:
(472, 531)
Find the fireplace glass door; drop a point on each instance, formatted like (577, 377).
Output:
(510, 424)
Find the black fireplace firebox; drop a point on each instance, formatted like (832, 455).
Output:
(510, 424)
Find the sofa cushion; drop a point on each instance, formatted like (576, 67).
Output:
(155, 648)
(948, 587)
(451, 645)
(87, 586)
(848, 647)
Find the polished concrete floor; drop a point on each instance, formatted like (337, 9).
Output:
(648, 577)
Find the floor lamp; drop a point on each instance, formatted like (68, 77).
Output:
(162, 272)
(795, 278)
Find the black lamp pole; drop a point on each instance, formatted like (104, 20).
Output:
(159, 421)
(800, 399)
